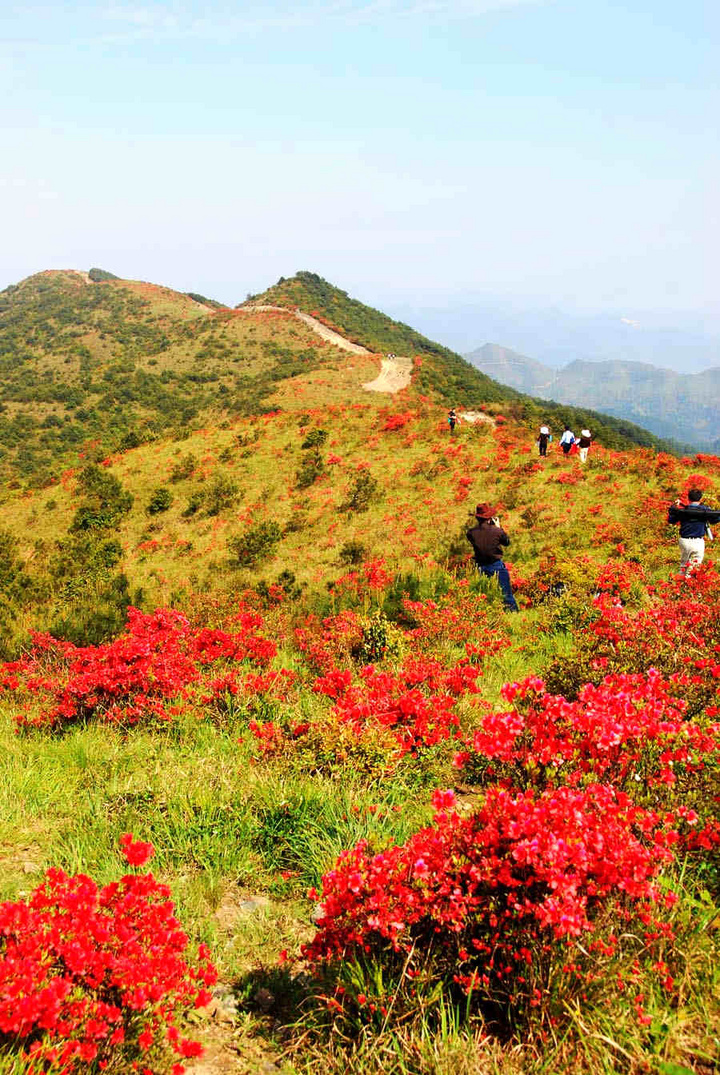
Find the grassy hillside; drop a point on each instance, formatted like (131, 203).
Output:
(333, 654)
(440, 373)
(271, 659)
(96, 367)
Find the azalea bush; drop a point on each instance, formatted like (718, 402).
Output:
(517, 906)
(159, 659)
(630, 730)
(93, 976)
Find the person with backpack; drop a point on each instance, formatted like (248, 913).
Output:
(584, 444)
(567, 440)
(488, 539)
(694, 519)
(452, 419)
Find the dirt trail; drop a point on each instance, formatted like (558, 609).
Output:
(475, 416)
(394, 375)
(394, 372)
(317, 326)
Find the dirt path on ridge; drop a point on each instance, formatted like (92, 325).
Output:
(317, 326)
(394, 372)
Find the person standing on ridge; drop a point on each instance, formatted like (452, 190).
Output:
(488, 538)
(567, 440)
(452, 419)
(694, 519)
(543, 439)
(584, 444)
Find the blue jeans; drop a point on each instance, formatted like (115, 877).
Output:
(501, 573)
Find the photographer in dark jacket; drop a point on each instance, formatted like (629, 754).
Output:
(488, 538)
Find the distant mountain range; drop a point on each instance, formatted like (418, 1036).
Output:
(683, 407)
(556, 336)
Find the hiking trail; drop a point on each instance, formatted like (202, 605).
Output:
(394, 372)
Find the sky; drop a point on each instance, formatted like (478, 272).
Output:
(559, 153)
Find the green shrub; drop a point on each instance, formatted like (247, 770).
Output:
(194, 505)
(315, 438)
(183, 468)
(362, 492)
(256, 544)
(311, 468)
(381, 639)
(352, 552)
(160, 500)
(221, 493)
(104, 501)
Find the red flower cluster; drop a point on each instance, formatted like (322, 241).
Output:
(630, 730)
(493, 895)
(417, 703)
(459, 616)
(131, 678)
(87, 973)
(396, 421)
(373, 576)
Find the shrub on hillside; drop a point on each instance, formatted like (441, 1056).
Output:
(256, 544)
(214, 498)
(92, 606)
(311, 468)
(103, 500)
(138, 676)
(221, 493)
(352, 552)
(511, 907)
(315, 438)
(160, 500)
(183, 468)
(361, 494)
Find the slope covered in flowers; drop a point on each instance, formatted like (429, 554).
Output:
(394, 814)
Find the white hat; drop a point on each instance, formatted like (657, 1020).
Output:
(544, 429)
(584, 432)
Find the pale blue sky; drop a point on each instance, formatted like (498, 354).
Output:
(549, 151)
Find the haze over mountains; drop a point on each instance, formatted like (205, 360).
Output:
(556, 337)
(685, 407)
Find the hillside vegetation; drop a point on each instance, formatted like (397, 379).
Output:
(391, 827)
(440, 373)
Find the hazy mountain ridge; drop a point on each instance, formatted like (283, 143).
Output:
(684, 407)
(556, 336)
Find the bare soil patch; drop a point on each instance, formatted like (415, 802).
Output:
(394, 375)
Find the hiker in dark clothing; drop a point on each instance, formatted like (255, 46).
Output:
(694, 519)
(543, 439)
(452, 420)
(584, 444)
(488, 538)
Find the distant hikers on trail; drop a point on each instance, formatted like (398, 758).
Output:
(694, 519)
(452, 419)
(488, 538)
(543, 438)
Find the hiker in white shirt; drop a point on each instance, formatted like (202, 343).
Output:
(567, 440)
